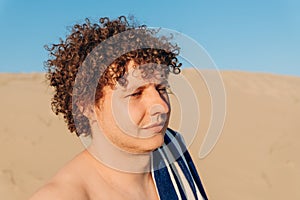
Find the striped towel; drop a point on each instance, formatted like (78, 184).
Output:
(174, 172)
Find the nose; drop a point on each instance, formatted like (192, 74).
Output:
(157, 103)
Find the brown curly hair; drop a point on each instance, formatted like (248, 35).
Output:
(83, 47)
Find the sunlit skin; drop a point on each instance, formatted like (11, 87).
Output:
(134, 120)
(135, 117)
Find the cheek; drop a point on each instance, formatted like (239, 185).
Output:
(136, 111)
(120, 112)
(166, 99)
(127, 114)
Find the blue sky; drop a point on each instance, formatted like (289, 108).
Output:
(259, 36)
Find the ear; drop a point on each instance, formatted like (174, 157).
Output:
(87, 110)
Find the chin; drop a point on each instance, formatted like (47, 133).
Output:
(152, 143)
(143, 144)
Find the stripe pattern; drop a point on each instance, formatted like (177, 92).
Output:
(174, 172)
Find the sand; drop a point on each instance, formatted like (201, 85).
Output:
(256, 156)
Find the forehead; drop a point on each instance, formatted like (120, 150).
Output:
(140, 75)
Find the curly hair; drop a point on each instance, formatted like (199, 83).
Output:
(83, 47)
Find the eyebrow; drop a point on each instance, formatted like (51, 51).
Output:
(142, 87)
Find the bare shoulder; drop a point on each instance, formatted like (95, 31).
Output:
(58, 191)
(66, 184)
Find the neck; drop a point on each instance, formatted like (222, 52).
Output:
(122, 176)
(133, 185)
(115, 158)
(121, 169)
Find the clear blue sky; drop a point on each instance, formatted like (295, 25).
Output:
(260, 36)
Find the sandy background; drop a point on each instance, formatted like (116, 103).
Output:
(256, 157)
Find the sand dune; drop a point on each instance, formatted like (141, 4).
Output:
(256, 156)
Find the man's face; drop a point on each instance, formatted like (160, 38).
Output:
(135, 117)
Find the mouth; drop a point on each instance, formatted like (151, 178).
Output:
(156, 127)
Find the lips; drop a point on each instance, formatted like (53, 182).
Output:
(156, 127)
(153, 125)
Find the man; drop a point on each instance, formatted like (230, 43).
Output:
(111, 85)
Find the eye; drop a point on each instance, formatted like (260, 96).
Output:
(136, 94)
(163, 89)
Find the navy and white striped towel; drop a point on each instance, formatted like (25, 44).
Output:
(174, 172)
